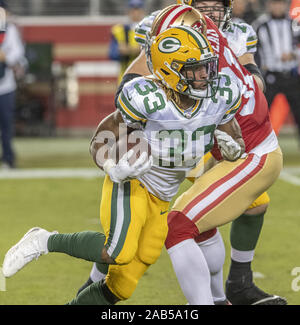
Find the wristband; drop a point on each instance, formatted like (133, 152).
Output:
(253, 69)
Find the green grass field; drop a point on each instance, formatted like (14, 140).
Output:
(72, 204)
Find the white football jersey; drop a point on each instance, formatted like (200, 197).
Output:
(178, 138)
(241, 38)
(143, 28)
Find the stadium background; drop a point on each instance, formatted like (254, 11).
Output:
(68, 88)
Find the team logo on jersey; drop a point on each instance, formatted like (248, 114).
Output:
(169, 45)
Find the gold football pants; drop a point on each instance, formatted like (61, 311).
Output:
(135, 225)
(228, 189)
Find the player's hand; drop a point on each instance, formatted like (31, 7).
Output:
(123, 171)
(229, 148)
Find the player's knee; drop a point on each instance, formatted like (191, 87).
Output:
(150, 252)
(180, 228)
(206, 235)
(257, 210)
(124, 293)
(106, 258)
(122, 259)
(108, 294)
(122, 281)
(259, 206)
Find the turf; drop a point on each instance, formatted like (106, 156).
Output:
(70, 205)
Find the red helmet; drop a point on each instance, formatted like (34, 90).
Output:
(172, 16)
(177, 15)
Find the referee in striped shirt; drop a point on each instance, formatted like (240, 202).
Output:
(278, 56)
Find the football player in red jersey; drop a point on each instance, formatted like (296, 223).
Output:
(245, 230)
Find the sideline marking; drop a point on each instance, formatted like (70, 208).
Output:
(2, 281)
(288, 175)
(51, 173)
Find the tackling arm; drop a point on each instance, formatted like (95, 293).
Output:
(247, 60)
(139, 65)
(109, 126)
(230, 140)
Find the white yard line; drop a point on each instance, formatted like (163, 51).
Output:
(288, 174)
(2, 281)
(51, 173)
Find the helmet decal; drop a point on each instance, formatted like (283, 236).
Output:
(169, 45)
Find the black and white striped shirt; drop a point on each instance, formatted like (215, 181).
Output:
(275, 38)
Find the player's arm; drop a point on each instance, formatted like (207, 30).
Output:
(139, 65)
(230, 140)
(228, 133)
(232, 128)
(107, 133)
(247, 60)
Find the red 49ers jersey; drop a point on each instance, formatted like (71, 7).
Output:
(253, 116)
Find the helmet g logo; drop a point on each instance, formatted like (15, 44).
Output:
(169, 45)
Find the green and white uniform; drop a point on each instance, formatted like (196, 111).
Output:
(178, 138)
(241, 38)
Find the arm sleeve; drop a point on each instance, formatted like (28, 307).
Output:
(251, 42)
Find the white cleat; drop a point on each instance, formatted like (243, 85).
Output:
(31, 246)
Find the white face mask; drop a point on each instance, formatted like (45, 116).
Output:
(202, 78)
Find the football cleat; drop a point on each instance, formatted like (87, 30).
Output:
(245, 292)
(31, 246)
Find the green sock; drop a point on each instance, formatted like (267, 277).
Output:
(92, 295)
(86, 245)
(103, 268)
(245, 231)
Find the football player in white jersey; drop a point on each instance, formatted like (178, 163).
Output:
(213, 244)
(179, 109)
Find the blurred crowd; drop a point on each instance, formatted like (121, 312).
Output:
(278, 50)
(248, 9)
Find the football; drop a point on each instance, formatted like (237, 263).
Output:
(136, 141)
